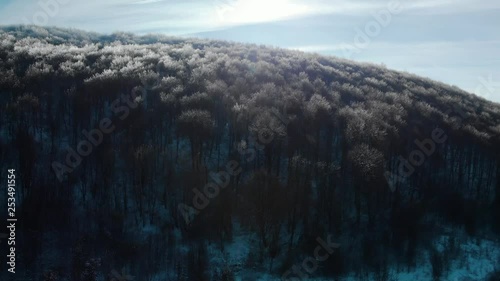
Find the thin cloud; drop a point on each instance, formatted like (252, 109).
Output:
(142, 2)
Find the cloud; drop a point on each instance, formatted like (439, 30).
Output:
(142, 2)
(255, 11)
(202, 15)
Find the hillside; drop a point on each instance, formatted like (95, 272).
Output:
(190, 159)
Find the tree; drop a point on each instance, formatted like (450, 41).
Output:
(197, 125)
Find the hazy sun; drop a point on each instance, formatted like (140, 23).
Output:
(253, 11)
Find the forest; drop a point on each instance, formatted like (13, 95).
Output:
(161, 158)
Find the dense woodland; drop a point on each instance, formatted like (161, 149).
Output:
(318, 145)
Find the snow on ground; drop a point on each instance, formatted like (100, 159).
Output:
(477, 259)
(481, 259)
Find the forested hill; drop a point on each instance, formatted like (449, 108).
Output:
(116, 137)
(67, 53)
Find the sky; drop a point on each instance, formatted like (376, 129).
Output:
(453, 41)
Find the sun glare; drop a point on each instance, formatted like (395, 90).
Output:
(247, 11)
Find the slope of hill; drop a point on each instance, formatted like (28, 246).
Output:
(188, 159)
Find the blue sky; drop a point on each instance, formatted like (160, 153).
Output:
(457, 42)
